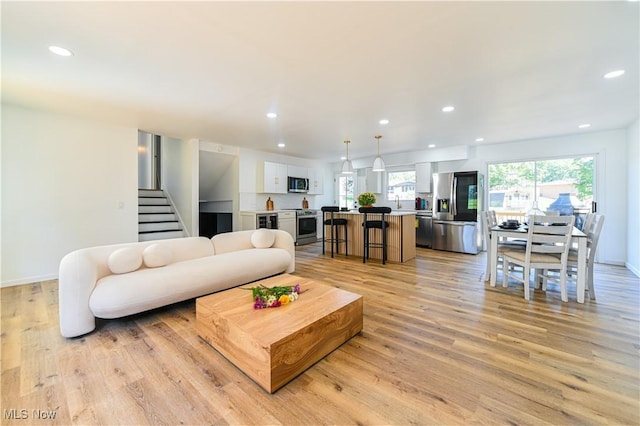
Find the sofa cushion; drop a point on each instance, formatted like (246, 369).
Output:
(119, 295)
(157, 255)
(124, 260)
(232, 241)
(262, 238)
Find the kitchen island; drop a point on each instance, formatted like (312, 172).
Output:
(401, 235)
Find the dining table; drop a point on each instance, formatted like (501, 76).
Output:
(578, 239)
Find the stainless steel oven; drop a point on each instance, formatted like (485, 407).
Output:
(306, 226)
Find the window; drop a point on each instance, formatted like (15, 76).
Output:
(401, 184)
(345, 190)
(563, 185)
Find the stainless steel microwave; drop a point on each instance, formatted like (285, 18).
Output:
(295, 184)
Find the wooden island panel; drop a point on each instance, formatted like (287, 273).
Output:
(274, 345)
(401, 235)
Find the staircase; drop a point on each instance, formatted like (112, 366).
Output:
(156, 217)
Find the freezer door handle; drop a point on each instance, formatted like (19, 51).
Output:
(454, 197)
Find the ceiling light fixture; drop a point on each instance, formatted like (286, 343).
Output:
(448, 109)
(584, 126)
(281, 145)
(479, 139)
(60, 51)
(272, 115)
(384, 121)
(378, 164)
(431, 145)
(614, 74)
(347, 165)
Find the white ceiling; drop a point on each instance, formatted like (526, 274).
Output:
(331, 70)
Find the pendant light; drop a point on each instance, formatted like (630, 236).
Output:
(347, 166)
(378, 164)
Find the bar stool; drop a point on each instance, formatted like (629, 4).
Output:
(334, 223)
(374, 224)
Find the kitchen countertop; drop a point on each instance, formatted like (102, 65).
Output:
(267, 211)
(393, 212)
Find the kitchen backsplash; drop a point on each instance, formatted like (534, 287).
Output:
(258, 202)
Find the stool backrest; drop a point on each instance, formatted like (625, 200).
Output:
(334, 209)
(375, 210)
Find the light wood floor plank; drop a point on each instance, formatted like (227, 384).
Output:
(439, 346)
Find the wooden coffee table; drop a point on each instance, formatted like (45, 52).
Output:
(274, 345)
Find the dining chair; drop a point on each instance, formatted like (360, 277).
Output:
(489, 220)
(592, 227)
(548, 242)
(588, 222)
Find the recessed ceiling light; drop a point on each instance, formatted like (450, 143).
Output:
(479, 139)
(343, 158)
(614, 74)
(448, 109)
(272, 115)
(281, 145)
(431, 145)
(384, 121)
(584, 126)
(60, 51)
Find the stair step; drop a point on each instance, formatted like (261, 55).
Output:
(151, 236)
(150, 193)
(156, 217)
(155, 209)
(153, 201)
(159, 226)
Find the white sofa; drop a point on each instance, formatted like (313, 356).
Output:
(118, 280)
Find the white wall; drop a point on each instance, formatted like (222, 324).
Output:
(180, 179)
(633, 197)
(67, 183)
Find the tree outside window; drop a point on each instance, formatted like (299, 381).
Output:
(515, 188)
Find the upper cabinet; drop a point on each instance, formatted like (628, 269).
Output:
(271, 178)
(374, 181)
(299, 172)
(316, 181)
(423, 177)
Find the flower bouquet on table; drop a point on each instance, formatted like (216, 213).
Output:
(272, 297)
(366, 199)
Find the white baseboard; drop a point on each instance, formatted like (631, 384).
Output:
(30, 280)
(633, 269)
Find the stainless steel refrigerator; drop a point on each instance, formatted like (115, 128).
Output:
(457, 204)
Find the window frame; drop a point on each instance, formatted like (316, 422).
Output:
(399, 169)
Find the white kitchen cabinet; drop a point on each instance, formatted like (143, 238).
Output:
(247, 221)
(374, 181)
(316, 181)
(287, 222)
(319, 224)
(299, 172)
(271, 178)
(423, 177)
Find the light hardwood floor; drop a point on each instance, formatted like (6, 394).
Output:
(439, 346)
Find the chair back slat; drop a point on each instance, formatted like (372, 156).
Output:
(550, 235)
